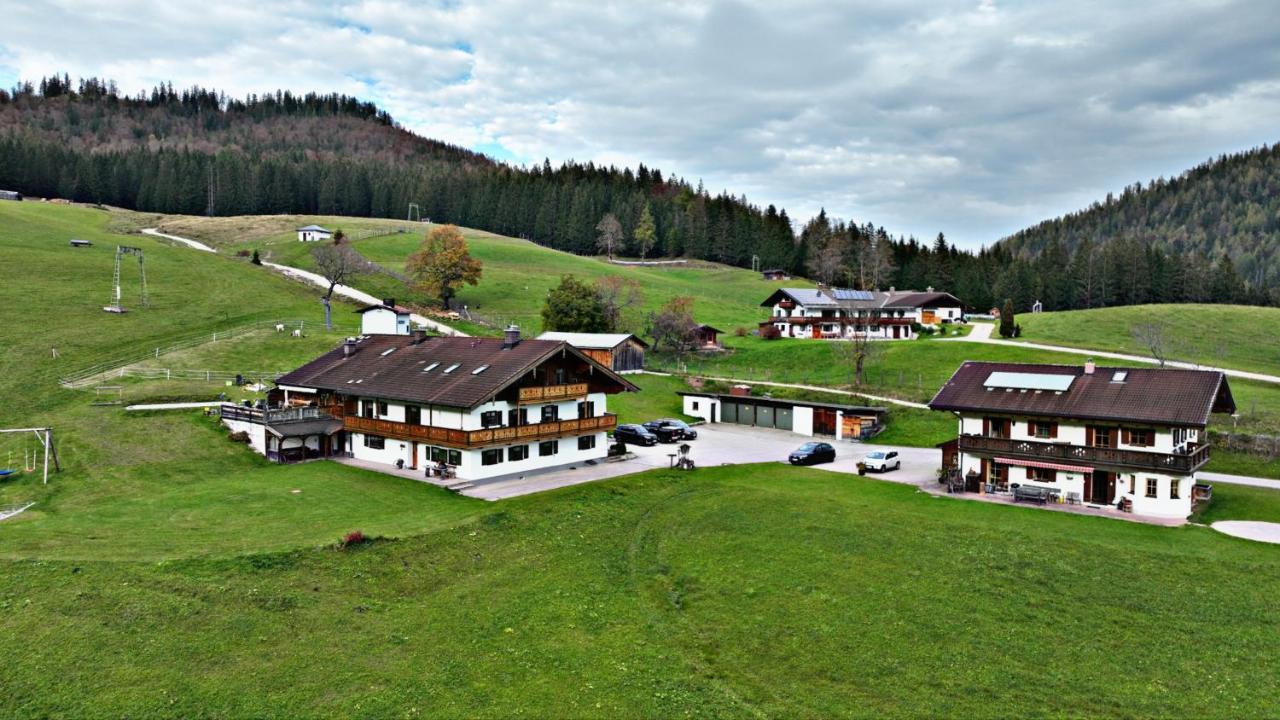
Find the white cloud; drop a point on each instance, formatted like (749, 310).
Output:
(974, 118)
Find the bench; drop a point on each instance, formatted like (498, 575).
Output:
(1031, 493)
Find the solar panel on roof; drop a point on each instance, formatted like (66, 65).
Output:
(1029, 381)
(849, 294)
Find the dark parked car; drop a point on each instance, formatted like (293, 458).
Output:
(634, 435)
(812, 453)
(671, 430)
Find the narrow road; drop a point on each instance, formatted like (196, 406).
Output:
(981, 333)
(358, 295)
(1214, 477)
(175, 406)
(317, 280)
(185, 241)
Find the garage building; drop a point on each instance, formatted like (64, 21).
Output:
(799, 416)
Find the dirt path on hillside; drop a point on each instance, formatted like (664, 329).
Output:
(981, 333)
(196, 244)
(319, 281)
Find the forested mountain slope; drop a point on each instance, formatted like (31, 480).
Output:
(1226, 207)
(199, 152)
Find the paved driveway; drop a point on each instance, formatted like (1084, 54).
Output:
(719, 444)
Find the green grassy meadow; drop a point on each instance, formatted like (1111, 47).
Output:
(1232, 336)
(517, 273)
(665, 594)
(169, 572)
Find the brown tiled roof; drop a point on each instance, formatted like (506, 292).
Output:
(401, 374)
(1164, 396)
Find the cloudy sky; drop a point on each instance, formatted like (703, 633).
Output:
(974, 118)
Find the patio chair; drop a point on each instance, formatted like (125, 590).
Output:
(1073, 498)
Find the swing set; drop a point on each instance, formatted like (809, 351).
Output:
(31, 455)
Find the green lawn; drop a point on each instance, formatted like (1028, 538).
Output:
(517, 273)
(1240, 502)
(162, 485)
(170, 572)
(657, 399)
(1234, 336)
(1234, 462)
(759, 591)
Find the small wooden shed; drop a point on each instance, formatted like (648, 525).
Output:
(620, 352)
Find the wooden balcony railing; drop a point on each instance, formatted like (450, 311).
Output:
(551, 393)
(1180, 463)
(478, 438)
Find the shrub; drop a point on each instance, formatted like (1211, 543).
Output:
(240, 437)
(770, 332)
(255, 259)
(741, 332)
(355, 537)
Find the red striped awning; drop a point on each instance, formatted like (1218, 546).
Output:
(1046, 465)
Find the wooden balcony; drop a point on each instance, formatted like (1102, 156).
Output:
(552, 393)
(467, 439)
(1177, 464)
(844, 320)
(786, 304)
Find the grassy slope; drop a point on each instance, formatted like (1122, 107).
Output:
(162, 485)
(776, 591)
(517, 273)
(1233, 336)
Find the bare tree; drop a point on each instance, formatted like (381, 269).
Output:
(1152, 336)
(859, 350)
(337, 264)
(619, 298)
(672, 327)
(610, 234)
(828, 257)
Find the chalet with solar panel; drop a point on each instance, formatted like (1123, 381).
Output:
(840, 313)
(1125, 438)
(476, 408)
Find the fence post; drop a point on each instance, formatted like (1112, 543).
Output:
(157, 352)
(167, 376)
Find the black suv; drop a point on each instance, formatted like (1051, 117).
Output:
(671, 430)
(634, 435)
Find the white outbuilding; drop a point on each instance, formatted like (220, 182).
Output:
(312, 233)
(385, 318)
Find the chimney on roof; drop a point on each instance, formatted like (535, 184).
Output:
(389, 302)
(348, 347)
(892, 289)
(419, 336)
(1089, 367)
(511, 337)
(929, 289)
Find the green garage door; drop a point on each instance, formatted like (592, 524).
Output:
(729, 412)
(764, 416)
(782, 418)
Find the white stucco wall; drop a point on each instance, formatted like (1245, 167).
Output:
(700, 406)
(257, 433)
(802, 420)
(384, 322)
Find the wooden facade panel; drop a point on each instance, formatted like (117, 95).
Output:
(477, 438)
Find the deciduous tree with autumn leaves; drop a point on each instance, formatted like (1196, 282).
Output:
(442, 263)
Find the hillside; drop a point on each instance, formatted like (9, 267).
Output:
(1226, 207)
(517, 273)
(1232, 336)
(197, 151)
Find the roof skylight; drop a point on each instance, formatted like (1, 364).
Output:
(480, 369)
(451, 368)
(431, 367)
(387, 352)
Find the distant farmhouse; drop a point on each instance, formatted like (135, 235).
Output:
(620, 352)
(385, 318)
(774, 274)
(838, 313)
(11, 195)
(478, 408)
(312, 233)
(1129, 438)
